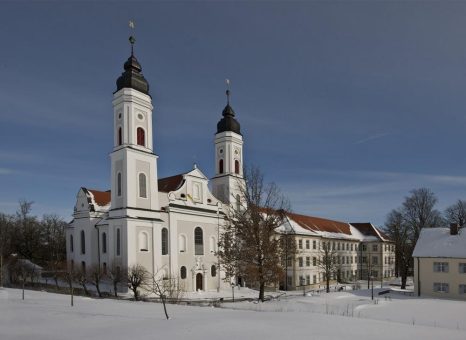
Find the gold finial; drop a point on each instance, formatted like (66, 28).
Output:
(132, 39)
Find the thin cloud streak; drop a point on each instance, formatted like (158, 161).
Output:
(373, 137)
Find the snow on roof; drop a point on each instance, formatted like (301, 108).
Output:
(321, 227)
(437, 242)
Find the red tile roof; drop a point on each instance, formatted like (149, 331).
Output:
(101, 198)
(171, 183)
(320, 224)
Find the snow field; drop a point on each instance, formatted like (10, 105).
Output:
(49, 316)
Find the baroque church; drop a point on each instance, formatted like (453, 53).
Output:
(169, 225)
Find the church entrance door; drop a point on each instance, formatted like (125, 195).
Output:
(199, 282)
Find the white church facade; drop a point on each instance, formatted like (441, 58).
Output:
(172, 225)
(169, 225)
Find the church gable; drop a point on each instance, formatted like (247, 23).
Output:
(193, 190)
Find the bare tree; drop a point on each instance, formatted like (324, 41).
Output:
(81, 278)
(167, 289)
(28, 239)
(456, 213)
(22, 270)
(6, 226)
(249, 245)
(418, 211)
(95, 277)
(327, 262)
(69, 276)
(116, 274)
(53, 244)
(138, 277)
(403, 236)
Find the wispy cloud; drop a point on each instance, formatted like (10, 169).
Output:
(373, 137)
(5, 171)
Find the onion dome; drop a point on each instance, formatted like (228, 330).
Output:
(132, 76)
(228, 122)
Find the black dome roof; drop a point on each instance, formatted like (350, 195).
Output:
(132, 76)
(228, 122)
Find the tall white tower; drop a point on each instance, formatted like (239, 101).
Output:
(228, 179)
(134, 165)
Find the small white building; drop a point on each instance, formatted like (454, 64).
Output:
(440, 263)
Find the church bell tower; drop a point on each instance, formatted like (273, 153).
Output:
(228, 181)
(133, 162)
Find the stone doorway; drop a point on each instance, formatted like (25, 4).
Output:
(199, 280)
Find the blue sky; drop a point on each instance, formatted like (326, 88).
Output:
(347, 106)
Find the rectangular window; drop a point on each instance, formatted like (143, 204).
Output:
(301, 280)
(375, 260)
(462, 268)
(363, 247)
(118, 242)
(314, 244)
(288, 262)
(300, 261)
(289, 280)
(314, 261)
(351, 247)
(308, 261)
(441, 287)
(374, 247)
(338, 246)
(308, 244)
(364, 259)
(441, 267)
(308, 279)
(300, 244)
(314, 279)
(462, 289)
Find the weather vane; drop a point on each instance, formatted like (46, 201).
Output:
(132, 40)
(227, 81)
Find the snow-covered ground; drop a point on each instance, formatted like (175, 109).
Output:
(49, 316)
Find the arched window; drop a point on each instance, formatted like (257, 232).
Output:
(118, 242)
(183, 272)
(164, 241)
(83, 243)
(198, 241)
(104, 243)
(213, 271)
(141, 138)
(143, 241)
(119, 184)
(182, 243)
(212, 244)
(71, 243)
(236, 166)
(220, 166)
(142, 185)
(120, 136)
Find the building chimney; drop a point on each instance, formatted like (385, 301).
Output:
(453, 229)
